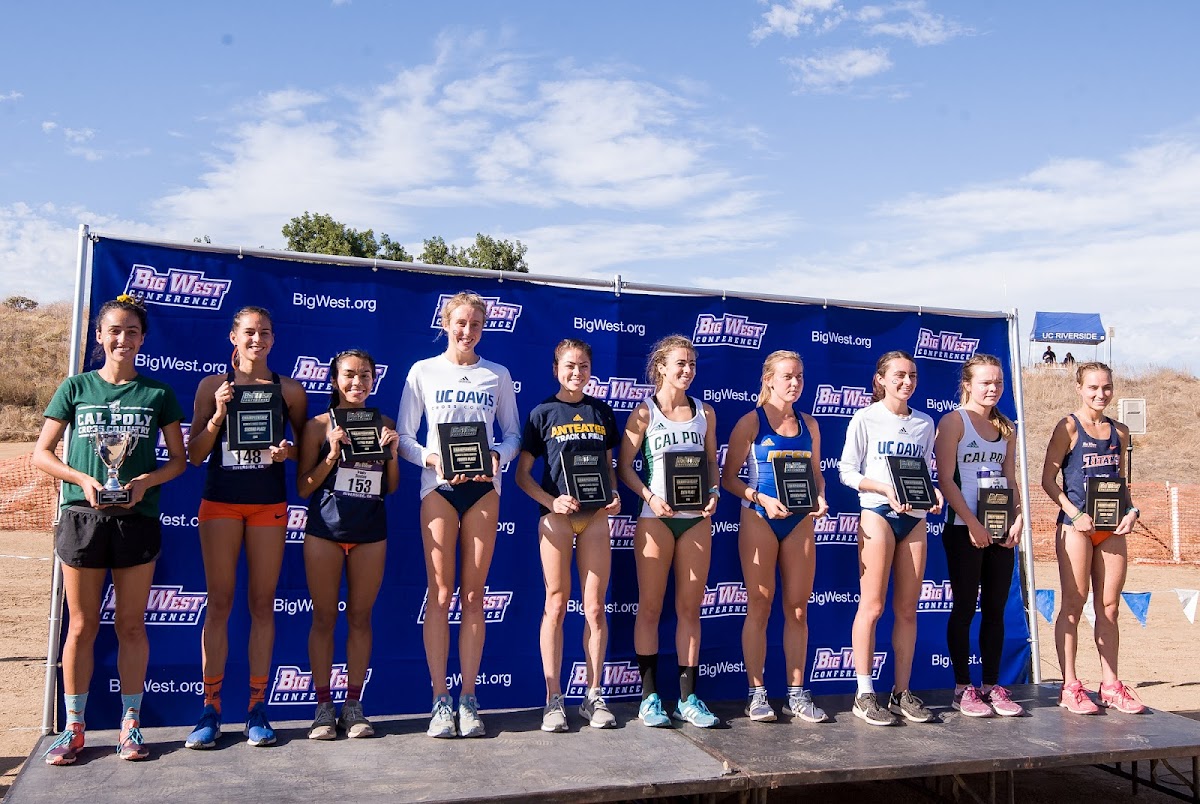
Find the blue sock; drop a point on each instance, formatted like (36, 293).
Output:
(75, 706)
(132, 704)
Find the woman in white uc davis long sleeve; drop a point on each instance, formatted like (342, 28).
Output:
(458, 513)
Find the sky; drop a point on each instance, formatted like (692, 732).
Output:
(1021, 155)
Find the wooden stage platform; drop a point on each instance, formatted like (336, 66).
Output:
(518, 762)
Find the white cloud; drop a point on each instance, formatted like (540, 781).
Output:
(48, 126)
(78, 135)
(493, 132)
(11, 96)
(837, 70)
(1116, 237)
(917, 24)
(787, 20)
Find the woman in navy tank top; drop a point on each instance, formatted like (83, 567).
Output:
(244, 503)
(770, 535)
(1088, 444)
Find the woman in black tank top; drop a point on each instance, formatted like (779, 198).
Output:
(1087, 560)
(244, 504)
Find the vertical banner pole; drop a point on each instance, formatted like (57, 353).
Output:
(56, 585)
(1035, 655)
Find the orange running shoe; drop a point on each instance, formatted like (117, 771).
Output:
(1121, 698)
(66, 748)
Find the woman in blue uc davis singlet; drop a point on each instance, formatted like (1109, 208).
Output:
(568, 422)
(91, 539)
(459, 513)
(977, 438)
(1087, 444)
(244, 504)
(346, 529)
(891, 536)
(670, 421)
(770, 536)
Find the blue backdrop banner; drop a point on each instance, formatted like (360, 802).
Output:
(320, 309)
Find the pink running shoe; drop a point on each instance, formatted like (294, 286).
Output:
(1075, 699)
(131, 745)
(970, 704)
(1003, 705)
(66, 748)
(1121, 698)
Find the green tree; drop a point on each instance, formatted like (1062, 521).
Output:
(485, 252)
(20, 303)
(321, 234)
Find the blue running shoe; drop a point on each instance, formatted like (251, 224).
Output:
(207, 731)
(695, 712)
(258, 731)
(651, 712)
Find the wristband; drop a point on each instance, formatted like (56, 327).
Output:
(754, 499)
(1076, 517)
(1134, 510)
(714, 490)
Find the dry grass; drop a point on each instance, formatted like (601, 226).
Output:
(1164, 454)
(39, 340)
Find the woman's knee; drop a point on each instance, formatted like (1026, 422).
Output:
(555, 610)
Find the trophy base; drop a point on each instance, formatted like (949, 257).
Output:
(114, 497)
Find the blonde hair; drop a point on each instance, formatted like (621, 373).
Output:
(768, 371)
(1095, 365)
(467, 297)
(1002, 423)
(658, 356)
(881, 367)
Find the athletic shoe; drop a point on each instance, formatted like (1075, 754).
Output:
(469, 724)
(131, 746)
(207, 731)
(1003, 705)
(651, 712)
(354, 722)
(968, 702)
(441, 724)
(800, 704)
(909, 705)
(1074, 699)
(759, 708)
(324, 725)
(692, 710)
(1121, 698)
(66, 748)
(554, 716)
(595, 711)
(258, 730)
(866, 706)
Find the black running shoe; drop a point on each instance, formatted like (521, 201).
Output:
(866, 706)
(910, 706)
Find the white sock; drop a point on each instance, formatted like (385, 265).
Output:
(865, 685)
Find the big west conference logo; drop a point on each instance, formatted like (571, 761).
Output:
(294, 687)
(722, 453)
(728, 330)
(835, 528)
(313, 374)
(160, 448)
(176, 288)
(617, 680)
(621, 530)
(838, 665)
(842, 401)
(935, 596)
(501, 316)
(297, 521)
(495, 605)
(621, 393)
(167, 605)
(949, 346)
(728, 599)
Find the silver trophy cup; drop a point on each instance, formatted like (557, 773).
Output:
(114, 447)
